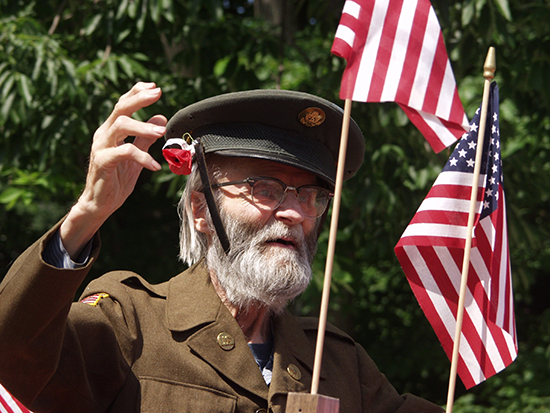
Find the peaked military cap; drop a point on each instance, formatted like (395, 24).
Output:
(290, 127)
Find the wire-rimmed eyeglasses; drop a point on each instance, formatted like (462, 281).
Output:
(269, 193)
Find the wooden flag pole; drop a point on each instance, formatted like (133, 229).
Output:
(314, 403)
(488, 73)
(331, 247)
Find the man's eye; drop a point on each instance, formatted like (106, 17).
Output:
(264, 192)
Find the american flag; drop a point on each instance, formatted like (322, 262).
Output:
(431, 251)
(395, 52)
(10, 405)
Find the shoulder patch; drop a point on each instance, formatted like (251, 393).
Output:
(93, 300)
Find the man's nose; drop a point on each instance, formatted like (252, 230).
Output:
(290, 211)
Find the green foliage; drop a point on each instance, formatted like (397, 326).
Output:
(64, 64)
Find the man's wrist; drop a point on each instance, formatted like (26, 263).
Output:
(77, 230)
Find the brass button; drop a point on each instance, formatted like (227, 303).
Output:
(226, 341)
(294, 372)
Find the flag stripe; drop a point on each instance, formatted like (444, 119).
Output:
(384, 51)
(400, 48)
(364, 78)
(8, 404)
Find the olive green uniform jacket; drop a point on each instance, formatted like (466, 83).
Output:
(155, 348)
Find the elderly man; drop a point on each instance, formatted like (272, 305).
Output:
(217, 337)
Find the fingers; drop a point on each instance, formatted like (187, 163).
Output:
(125, 126)
(119, 125)
(158, 125)
(141, 95)
(132, 154)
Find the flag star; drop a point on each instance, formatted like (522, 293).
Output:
(492, 180)
(489, 192)
(495, 169)
(496, 196)
(495, 116)
(470, 163)
(472, 145)
(473, 127)
(477, 111)
(453, 161)
(494, 129)
(462, 153)
(496, 156)
(498, 144)
(486, 204)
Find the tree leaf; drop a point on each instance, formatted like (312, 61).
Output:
(504, 8)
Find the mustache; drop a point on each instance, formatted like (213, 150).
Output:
(244, 237)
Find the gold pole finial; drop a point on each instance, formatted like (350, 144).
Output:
(490, 64)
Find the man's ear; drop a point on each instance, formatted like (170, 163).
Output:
(200, 209)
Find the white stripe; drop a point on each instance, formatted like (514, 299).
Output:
(476, 314)
(458, 178)
(446, 94)
(443, 311)
(470, 307)
(486, 225)
(370, 51)
(352, 8)
(346, 34)
(9, 400)
(399, 51)
(442, 132)
(425, 62)
(445, 204)
(432, 230)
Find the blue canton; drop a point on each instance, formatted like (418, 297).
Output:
(464, 154)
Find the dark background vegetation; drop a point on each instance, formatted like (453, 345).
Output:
(64, 63)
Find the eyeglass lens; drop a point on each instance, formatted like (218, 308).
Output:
(269, 194)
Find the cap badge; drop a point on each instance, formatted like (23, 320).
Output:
(311, 117)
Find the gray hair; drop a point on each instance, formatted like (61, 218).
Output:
(193, 243)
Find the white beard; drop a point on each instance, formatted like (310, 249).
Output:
(256, 274)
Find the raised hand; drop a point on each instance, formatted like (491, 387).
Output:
(114, 165)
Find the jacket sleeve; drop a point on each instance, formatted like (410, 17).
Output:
(43, 341)
(380, 396)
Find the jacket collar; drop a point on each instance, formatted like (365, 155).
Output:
(193, 304)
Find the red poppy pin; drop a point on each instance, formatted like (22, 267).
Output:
(179, 152)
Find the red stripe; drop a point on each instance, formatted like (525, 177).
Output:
(434, 240)
(5, 402)
(448, 292)
(360, 27)
(460, 192)
(383, 56)
(456, 117)
(341, 48)
(454, 218)
(437, 74)
(414, 48)
(428, 133)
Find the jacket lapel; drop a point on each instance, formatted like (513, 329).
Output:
(193, 303)
(293, 361)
